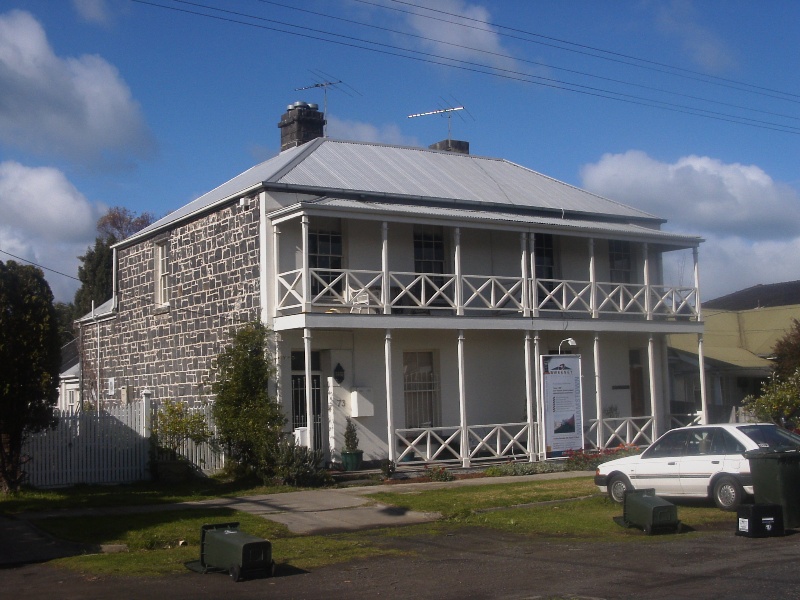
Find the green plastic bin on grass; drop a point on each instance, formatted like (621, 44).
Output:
(776, 480)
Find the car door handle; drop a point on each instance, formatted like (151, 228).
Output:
(671, 464)
(714, 462)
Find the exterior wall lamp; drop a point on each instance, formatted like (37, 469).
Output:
(338, 373)
(568, 341)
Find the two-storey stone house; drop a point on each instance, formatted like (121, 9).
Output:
(413, 289)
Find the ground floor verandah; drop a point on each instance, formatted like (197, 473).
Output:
(462, 396)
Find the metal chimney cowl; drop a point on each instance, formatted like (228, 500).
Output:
(301, 123)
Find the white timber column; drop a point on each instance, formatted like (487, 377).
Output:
(386, 287)
(530, 398)
(308, 390)
(598, 389)
(306, 273)
(537, 353)
(459, 284)
(654, 399)
(526, 294)
(462, 401)
(534, 285)
(593, 279)
(276, 263)
(701, 360)
(698, 308)
(648, 301)
(387, 353)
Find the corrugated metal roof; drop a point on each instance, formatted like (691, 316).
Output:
(488, 216)
(420, 172)
(330, 166)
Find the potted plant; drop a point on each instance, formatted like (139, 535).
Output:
(351, 455)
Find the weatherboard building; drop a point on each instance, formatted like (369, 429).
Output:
(411, 289)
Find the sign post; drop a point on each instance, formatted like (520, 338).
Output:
(563, 405)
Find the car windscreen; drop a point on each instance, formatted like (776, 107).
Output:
(771, 436)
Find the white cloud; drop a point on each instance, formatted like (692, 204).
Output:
(366, 132)
(679, 20)
(77, 108)
(751, 223)
(93, 11)
(468, 38)
(45, 220)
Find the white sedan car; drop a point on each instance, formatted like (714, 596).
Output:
(699, 461)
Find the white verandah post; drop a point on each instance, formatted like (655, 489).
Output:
(462, 401)
(529, 397)
(459, 291)
(537, 353)
(654, 399)
(306, 273)
(308, 387)
(386, 289)
(598, 387)
(593, 279)
(701, 360)
(387, 353)
(525, 292)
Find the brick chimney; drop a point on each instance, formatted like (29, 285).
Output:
(301, 123)
(451, 146)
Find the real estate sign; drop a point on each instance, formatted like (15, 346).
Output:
(563, 408)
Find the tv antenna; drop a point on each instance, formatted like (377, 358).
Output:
(328, 81)
(442, 111)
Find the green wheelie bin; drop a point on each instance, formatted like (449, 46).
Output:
(776, 480)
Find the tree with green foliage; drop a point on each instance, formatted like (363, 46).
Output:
(96, 271)
(29, 364)
(176, 424)
(778, 402)
(787, 352)
(249, 421)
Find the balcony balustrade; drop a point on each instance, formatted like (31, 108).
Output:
(373, 292)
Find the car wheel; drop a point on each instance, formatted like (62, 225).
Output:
(617, 486)
(727, 493)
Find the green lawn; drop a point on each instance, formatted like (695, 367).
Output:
(160, 543)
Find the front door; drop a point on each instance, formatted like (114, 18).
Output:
(299, 413)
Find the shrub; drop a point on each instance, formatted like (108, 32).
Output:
(582, 460)
(525, 468)
(298, 466)
(438, 474)
(350, 436)
(388, 468)
(175, 424)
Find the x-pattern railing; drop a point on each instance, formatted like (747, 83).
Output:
(563, 295)
(497, 293)
(496, 441)
(429, 443)
(338, 287)
(674, 301)
(422, 290)
(620, 298)
(620, 430)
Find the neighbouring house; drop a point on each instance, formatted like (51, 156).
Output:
(741, 330)
(411, 289)
(69, 386)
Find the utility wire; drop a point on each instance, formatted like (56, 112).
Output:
(522, 60)
(464, 65)
(704, 77)
(30, 262)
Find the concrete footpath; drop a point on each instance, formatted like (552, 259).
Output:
(305, 512)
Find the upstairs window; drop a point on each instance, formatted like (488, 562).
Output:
(324, 253)
(162, 273)
(620, 261)
(429, 249)
(543, 249)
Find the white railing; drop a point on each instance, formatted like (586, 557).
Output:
(429, 444)
(443, 444)
(676, 421)
(343, 289)
(629, 431)
(498, 441)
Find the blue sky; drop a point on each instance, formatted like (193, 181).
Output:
(119, 102)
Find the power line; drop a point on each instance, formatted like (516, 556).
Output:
(30, 262)
(431, 58)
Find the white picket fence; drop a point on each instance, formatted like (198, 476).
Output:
(109, 446)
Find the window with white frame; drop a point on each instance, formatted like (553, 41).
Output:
(325, 252)
(162, 273)
(421, 390)
(620, 261)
